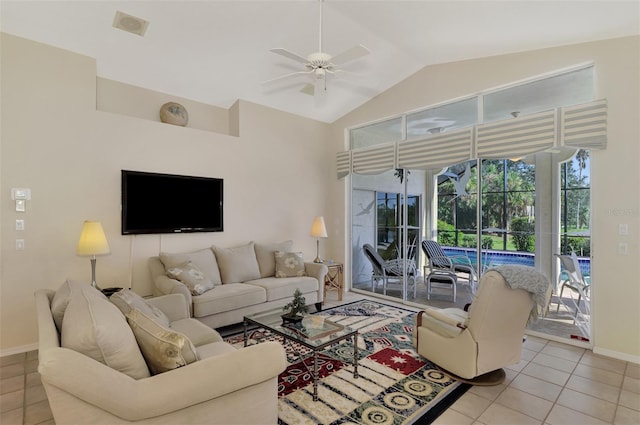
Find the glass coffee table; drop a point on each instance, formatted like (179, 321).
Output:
(314, 332)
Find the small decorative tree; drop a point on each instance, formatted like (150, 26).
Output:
(297, 306)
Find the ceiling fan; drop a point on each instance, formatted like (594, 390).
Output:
(319, 65)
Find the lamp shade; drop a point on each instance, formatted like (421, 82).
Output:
(92, 240)
(318, 229)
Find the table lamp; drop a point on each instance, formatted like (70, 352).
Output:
(92, 242)
(318, 230)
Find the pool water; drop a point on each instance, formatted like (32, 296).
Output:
(497, 258)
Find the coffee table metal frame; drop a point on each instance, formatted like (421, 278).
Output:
(272, 321)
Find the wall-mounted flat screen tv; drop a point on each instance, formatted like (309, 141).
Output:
(168, 203)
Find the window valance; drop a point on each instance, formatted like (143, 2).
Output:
(581, 126)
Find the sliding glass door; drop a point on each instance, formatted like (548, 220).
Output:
(387, 220)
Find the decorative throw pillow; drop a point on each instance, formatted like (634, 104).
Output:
(266, 260)
(289, 264)
(127, 300)
(162, 348)
(237, 264)
(202, 258)
(96, 328)
(63, 295)
(192, 277)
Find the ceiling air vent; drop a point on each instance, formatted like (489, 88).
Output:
(130, 23)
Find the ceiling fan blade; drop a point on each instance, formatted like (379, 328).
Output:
(320, 92)
(287, 54)
(284, 77)
(308, 89)
(351, 54)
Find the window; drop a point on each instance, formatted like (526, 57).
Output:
(376, 134)
(389, 224)
(575, 213)
(508, 197)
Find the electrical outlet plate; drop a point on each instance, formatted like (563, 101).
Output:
(622, 248)
(623, 229)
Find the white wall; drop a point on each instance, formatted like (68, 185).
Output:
(55, 142)
(615, 173)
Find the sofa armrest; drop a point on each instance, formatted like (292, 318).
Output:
(317, 270)
(173, 305)
(137, 400)
(165, 286)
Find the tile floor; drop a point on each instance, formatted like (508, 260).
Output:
(22, 396)
(553, 384)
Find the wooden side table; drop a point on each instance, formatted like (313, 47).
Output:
(334, 281)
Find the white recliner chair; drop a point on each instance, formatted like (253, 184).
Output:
(485, 339)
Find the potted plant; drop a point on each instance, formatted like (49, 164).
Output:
(296, 308)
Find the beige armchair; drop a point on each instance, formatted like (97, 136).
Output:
(486, 338)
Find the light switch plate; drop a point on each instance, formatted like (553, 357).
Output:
(20, 193)
(19, 224)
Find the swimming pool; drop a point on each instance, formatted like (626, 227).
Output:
(497, 258)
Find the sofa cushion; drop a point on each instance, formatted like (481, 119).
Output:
(265, 256)
(283, 288)
(63, 295)
(162, 348)
(289, 264)
(96, 328)
(203, 259)
(189, 274)
(228, 297)
(127, 300)
(197, 332)
(237, 264)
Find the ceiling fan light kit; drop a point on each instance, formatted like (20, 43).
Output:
(319, 65)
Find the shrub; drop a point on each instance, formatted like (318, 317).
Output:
(522, 234)
(581, 246)
(446, 234)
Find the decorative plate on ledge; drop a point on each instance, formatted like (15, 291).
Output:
(174, 113)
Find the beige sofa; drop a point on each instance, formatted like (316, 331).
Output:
(243, 280)
(94, 372)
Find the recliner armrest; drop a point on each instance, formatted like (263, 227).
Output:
(453, 320)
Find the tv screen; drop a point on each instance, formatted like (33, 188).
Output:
(168, 203)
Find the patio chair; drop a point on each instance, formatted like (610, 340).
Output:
(391, 271)
(440, 263)
(575, 282)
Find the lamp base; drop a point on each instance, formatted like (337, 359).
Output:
(93, 273)
(318, 259)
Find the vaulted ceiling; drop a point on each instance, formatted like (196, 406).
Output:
(219, 51)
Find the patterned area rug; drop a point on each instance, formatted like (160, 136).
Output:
(395, 385)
